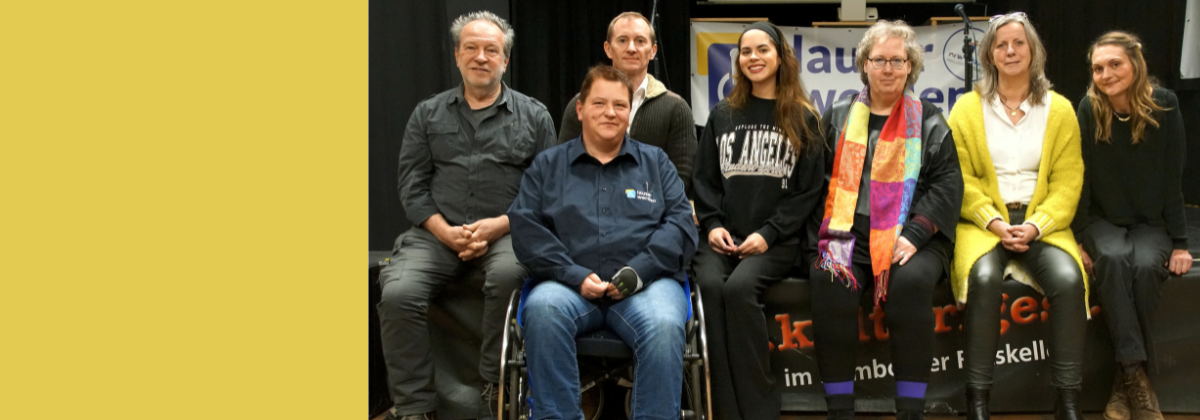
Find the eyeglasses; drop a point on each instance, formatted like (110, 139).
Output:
(895, 62)
(1018, 15)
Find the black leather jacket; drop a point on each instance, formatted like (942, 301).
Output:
(939, 192)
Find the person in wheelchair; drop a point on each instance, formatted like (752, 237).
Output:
(604, 227)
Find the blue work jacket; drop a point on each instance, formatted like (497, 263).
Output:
(575, 216)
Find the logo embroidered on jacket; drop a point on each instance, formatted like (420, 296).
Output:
(645, 196)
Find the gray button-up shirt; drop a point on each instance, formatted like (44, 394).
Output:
(467, 172)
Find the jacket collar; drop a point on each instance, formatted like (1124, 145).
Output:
(505, 97)
(654, 87)
(577, 150)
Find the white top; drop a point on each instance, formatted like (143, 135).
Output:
(1016, 149)
(639, 96)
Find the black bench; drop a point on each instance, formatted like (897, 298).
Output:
(1022, 383)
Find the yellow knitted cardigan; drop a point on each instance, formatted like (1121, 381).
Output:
(1059, 183)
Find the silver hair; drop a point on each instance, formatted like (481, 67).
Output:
(1038, 83)
(891, 29)
(459, 24)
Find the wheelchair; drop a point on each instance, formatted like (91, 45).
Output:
(515, 402)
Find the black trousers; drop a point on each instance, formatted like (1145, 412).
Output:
(419, 270)
(1059, 276)
(743, 386)
(1129, 264)
(908, 313)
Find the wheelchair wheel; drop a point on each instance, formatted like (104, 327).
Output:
(629, 403)
(696, 374)
(511, 366)
(591, 402)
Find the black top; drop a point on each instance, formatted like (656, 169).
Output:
(467, 170)
(939, 190)
(1127, 184)
(749, 179)
(874, 126)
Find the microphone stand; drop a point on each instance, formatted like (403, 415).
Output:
(968, 51)
(654, 24)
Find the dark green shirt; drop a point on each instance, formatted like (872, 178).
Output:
(465, 170)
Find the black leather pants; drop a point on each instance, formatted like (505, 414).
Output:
(1060, 278)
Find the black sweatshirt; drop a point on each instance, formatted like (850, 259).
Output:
(1127, 184)
(748, 177)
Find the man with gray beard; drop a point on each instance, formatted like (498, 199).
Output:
(461, 161)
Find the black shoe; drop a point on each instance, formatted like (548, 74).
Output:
(1067, 406)
(977, 403)
(489, 398)
(908, 408)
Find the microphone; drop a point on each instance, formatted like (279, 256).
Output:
(627, 281)
(958, 8)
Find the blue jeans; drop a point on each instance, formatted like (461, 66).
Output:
(651, 322)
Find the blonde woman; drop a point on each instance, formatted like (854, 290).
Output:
(1018, 143)
(1130, 223)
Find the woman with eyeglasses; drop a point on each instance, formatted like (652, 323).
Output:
(1130, 223)
(893, 190)
(757, 178)
(1018, 143)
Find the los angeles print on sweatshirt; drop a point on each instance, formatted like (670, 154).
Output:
(764, 151)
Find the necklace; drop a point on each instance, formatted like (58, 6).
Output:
(1011, 111)
(1126, 119)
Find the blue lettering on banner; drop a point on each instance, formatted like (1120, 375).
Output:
(936, 96)
(954, 94)
(797, 43)
(851, 68)
(824, 58)
(933, 95)
(824, 102)
(823, 61)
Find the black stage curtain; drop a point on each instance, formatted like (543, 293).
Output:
(411, 57)
(1189, 105)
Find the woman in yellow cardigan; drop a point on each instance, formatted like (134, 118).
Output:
(1019, 147)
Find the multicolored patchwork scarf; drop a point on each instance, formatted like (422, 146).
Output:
(894, 170)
